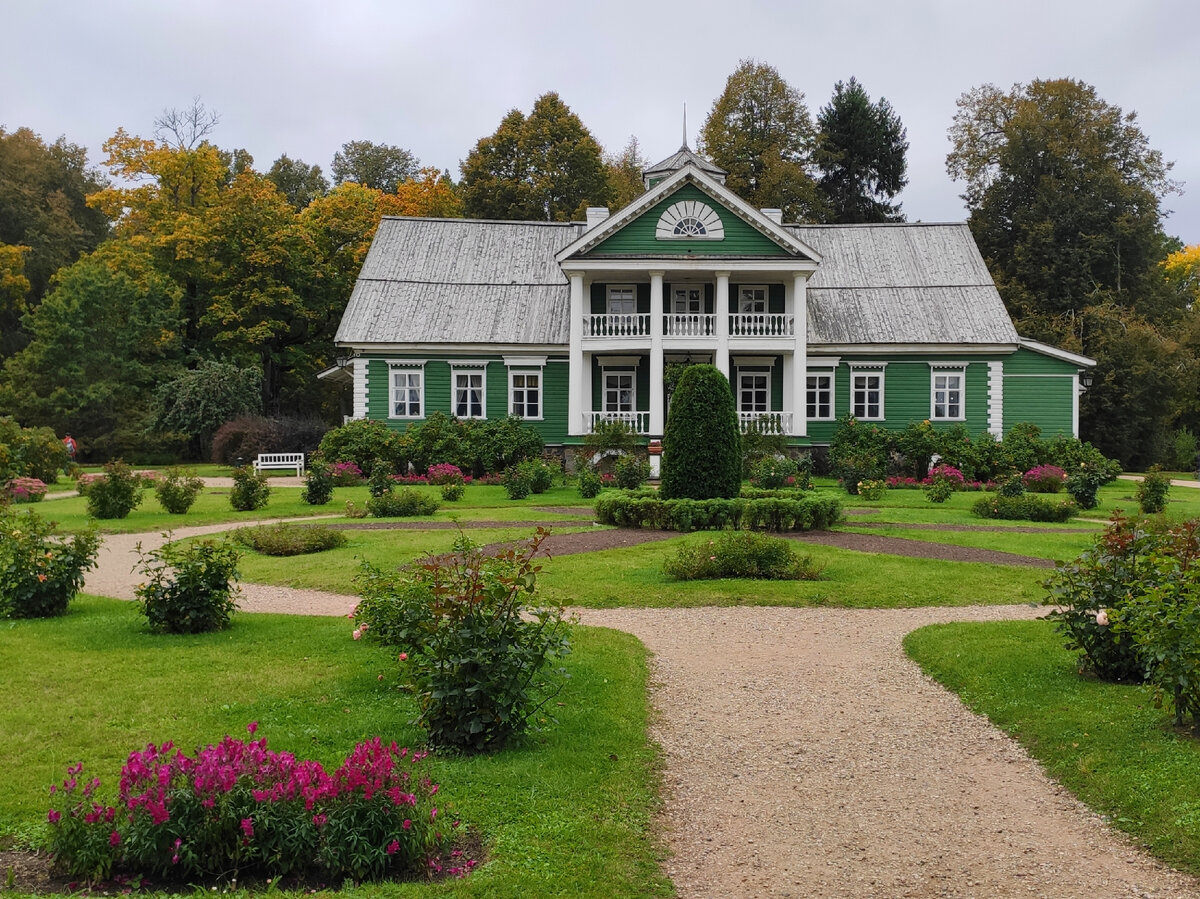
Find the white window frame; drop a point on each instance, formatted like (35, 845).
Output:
(753, 300)
(754, 372)
(831, 374)
(867, 370)
(526, 373)
(605, 374)
(690, 286)
(467, 369)
(409, 370)
(631, 299)
(947, 370)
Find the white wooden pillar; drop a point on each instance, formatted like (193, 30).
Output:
(800, 355)
(658, 400)
(721, 308)
(575, 373)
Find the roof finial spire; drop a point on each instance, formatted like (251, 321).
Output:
(684, 146)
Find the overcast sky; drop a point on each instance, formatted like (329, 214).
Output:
(303, 77)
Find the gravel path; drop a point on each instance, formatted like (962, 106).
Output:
(807, 756)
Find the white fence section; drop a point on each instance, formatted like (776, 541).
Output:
(639, 421)
(766, 422)
(689, 325)
(761, 325)
(616, 325)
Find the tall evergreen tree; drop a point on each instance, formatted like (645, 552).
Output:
(547, 166)
(624, 172)
(760, 131)
(702, 443)
(860, 153)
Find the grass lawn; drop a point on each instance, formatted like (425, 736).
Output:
(568, 814)
(1104, 742)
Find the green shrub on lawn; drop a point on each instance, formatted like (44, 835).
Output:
(190, 588)
(631, 471)
(590, 482)
(40, 570)
(177, 490)
(518, 483)
(1152, 491)
(402, 504)
(290, 540)
(453, 491)
(772, 472)
(742, 554)
(250, 489)
(318, 483)
(1026, 507)
(475, 652)
(115, 494)
(702, 443)
(648, 510)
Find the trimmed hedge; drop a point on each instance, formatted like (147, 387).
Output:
(702, 443)
(807, 513)
(1027, 507)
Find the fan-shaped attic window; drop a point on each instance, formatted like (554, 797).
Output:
(689, 220)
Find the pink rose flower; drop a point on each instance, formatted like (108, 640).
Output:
(1102, 618)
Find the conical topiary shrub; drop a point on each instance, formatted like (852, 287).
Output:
(702, 446)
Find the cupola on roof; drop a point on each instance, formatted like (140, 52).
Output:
(678, 160)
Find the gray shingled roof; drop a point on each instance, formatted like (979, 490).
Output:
(429, 281)
(913, 283)
(461, 281)
(681, 157)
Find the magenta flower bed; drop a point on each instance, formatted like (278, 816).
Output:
(26, 490)
(240, 808)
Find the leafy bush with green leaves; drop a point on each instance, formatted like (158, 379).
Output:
(495, 444)
(1152, 491)
(1045, 479)
(30, 452)
(40, 570)
(1098, 581)
(1011, 484)
(250, 489)
(610, 436)
(1027, 507)
(190, 588)
(631, 471)
(944, 480)
(590, 482)
(1022, 447)
(917, 444)
(1084, 482)
(318, 483)
(772, 472)
(702, 443)
(402, 503)
(1163, 618)
(237, 807)
(1185, 451)
(476, 654)
(177, 490)
(539, 474)
(741, 554)
(380, 481)
(772, 513)
(872, 491)
(363, 441)
(858, 452)
(453, 491)
(518, 483)
(757, 444)
(285, 539)
(117, 493)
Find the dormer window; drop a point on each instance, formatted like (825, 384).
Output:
(689, 220)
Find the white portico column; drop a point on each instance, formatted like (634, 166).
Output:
(800, 355)
(721, 308)
(658, 416)
(575, 379)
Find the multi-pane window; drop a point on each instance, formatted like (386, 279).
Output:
(819, 398)
(525, 394)
(407, 392)
(687, 300)
(621, 300)
(468, 394)
(866, 394)
(618, 391)
(753, 391)
(752, 300)
(947, 395)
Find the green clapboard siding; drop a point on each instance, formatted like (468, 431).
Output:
(1039, 389)
(637, 237)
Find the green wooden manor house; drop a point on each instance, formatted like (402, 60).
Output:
(566, 325)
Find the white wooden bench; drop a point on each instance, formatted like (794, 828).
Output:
(280, 460)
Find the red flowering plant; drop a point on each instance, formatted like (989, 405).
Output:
(238, 807)
(1045, 479)
(26, 490)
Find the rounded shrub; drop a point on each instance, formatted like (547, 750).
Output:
(517, 482)
(402, 504)
(631, 472)
(289, 539)
(702, 444)
(318, 483)
(1152, 491)
(117, 493)
(772, 472)
(250, 489)
(590, 482)
(40, 570)
(189, 589)
(453, 491)
(177, 490)
(1027, 507)
(362, 442)
(742, 554)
